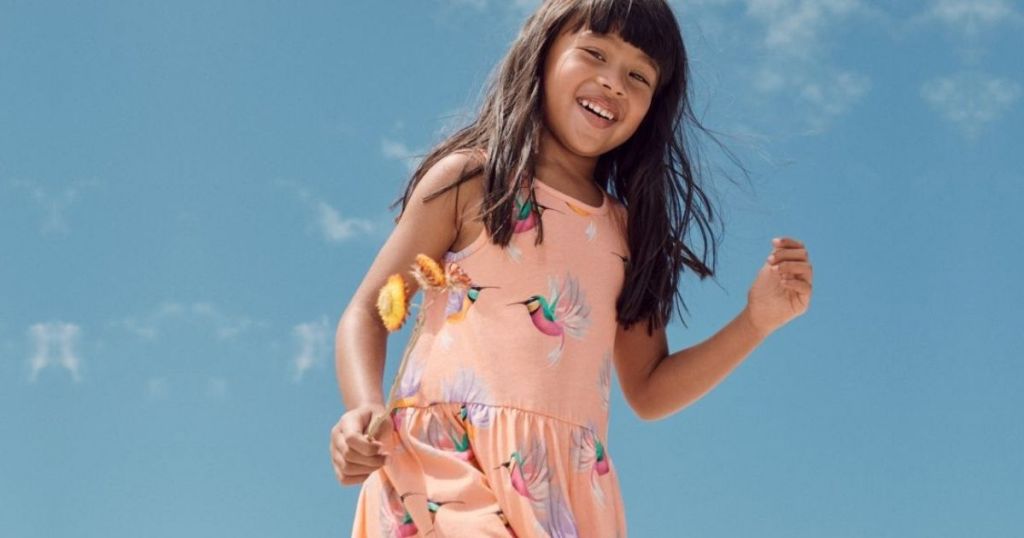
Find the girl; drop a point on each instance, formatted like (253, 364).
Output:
(565, 204)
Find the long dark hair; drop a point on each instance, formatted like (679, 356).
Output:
(651, 173)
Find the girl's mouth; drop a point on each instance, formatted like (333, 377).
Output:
(593, 118)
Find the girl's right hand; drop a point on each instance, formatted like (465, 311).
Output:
(353, 455)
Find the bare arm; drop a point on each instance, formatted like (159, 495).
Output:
(425, 227)
(658, 384)
(360, 348)
(688, 374)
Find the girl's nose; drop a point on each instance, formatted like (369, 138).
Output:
(606, 85)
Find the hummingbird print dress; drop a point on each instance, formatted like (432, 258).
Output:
(500, 425)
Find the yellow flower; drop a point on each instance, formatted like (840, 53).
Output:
(428, 273)
(393, 302)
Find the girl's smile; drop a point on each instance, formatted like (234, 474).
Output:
(597, 90)
(595, 118)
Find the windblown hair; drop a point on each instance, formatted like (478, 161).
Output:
(651, 173)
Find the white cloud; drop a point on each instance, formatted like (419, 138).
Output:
(328, 221)
(971, 17)
(53, 204)
(791, 62)
(795, 27)
(313, 348)
(398, 151)
(336, 228)
(224, 326)
(54, 344)
(971, 99)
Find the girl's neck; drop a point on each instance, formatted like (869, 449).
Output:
(557, 166)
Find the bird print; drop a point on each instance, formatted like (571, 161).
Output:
(395, 520)
(459, 301)
(409, 385)
(604, 381)
(448, 436)
(529, 472)
(623, 257)
(590, 456)
(591, 230)
(556, 517)
(433, 507)
(564, 310)
(524, 219)
(466, 388)
(504, 521)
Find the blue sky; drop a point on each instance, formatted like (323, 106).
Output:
(191, 191)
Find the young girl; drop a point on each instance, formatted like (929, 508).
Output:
(565, 204)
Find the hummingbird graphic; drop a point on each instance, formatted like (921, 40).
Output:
(524, 219)
(529, 473)
(591, 231)
(504, 521)
(459, 301)
(590, 455)
(565, 310)
(449, 437)
(394, 517)
(432, 508)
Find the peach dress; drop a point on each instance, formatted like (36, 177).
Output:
(501, 419)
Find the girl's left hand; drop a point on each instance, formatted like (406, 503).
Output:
(782, 289)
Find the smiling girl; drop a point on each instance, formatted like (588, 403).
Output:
(564, 205)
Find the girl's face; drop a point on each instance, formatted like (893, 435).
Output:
(606, 71)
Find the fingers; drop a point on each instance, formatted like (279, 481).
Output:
(357, 447)
(353, 455)
(359, 441)
(362, 444)
(797, 284)
(793, 253)
(786, 242)
(793, 269)
(789, 259)
(351, 467)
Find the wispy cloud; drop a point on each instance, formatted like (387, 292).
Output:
(328, 221)
(224, 326)
(54, 203)
(792, 63)
(336, 228)
(970, 17)
(398, 151)
(54, 344)
(312, 338)
(971, 99)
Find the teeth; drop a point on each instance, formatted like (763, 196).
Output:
(597, 108)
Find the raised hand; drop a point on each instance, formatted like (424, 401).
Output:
(782, 289)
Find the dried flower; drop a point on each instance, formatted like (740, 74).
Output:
(428, 272)
(393, 302)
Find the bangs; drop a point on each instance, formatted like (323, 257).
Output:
(648, 26)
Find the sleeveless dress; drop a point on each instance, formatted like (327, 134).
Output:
(501, 419)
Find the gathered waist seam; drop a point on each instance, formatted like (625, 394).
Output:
(507, 406)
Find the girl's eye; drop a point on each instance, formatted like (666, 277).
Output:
(596, 54)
